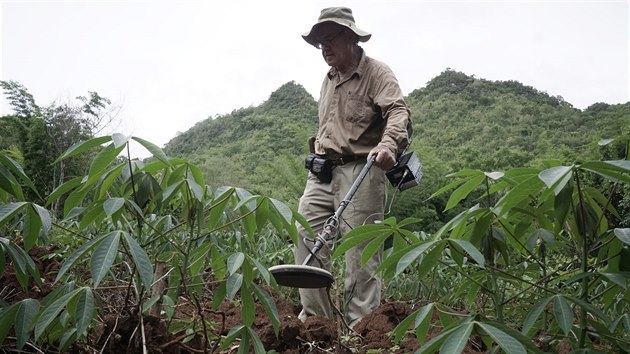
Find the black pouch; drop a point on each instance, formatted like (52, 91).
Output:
(320, 167)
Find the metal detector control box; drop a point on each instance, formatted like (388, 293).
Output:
(407, 172)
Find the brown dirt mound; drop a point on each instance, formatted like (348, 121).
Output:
(374, 328)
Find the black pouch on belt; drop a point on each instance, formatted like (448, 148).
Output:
(320, 167)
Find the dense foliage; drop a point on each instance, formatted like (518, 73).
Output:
(459, 122)
(517, 239)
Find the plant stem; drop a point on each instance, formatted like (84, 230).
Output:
(584, 295)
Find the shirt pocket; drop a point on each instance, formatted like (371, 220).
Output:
(357, 109)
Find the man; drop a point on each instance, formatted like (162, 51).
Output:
(361, 114)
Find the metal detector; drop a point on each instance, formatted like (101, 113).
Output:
(305, 275)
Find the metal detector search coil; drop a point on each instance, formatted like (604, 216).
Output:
(407, 172)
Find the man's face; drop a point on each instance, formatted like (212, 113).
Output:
(335, 44)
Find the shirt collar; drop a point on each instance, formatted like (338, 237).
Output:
(358, 70)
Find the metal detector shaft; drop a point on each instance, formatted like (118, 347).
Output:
(332, 222)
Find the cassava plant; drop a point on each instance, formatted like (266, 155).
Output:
(155, 230)
(534, 262)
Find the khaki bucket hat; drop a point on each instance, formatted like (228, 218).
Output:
(339, 15)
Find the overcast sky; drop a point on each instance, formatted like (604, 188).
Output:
(171, 64)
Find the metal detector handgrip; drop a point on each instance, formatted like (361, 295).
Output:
(333, 222)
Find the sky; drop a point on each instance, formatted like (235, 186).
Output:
(166, 65)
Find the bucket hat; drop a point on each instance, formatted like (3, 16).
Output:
(339, 15)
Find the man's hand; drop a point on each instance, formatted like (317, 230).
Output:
(385, 159)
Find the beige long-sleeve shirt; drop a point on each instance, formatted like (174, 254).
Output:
(362, 111)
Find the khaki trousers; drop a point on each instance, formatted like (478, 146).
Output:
(362, 289)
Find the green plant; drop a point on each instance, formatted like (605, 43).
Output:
(164, 212)
(534, 236)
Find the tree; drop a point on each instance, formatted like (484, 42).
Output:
(42, 133)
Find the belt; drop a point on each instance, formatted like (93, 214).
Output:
(342, 160)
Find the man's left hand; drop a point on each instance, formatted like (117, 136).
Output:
(384, 160)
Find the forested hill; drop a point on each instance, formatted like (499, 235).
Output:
(460, 122)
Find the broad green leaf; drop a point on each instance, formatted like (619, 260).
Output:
(603, 142)
(616, 278)
(430, 260)
(50, 312)
(220, 293)
(70, 261)
(142, 261)
(269, 305)
(153, 149)
(74, 199)
(32, 226)
(245, 199)
(464, 190)
(389, 264)
(16, 170)
(403, 327)
(198, 258)
(623, 235)
(102, 160)
(24, 320)
(248, 222)
(109, 178)
(259, 348)
(234, 333)
(7, 319)
(119, 139)
(22, 264)
(434, 344)
(84, 312)
(169, 191)
(248, 307)
(556, 177)
(261, 269)
(69, 337)
(195, 188)
(411, 256)
(616, 171)
(508, 343)
(44, 217)
(9, 184)
(169, 306)
(456, 342)
(283, 210)
(471, 250)
(563, 313)
(372, 248)
(534, 314)
(149, 303)
(217, 207)
(9, 209)
(83, 146)
(594, 310)
(104, 256)
(519, 194)
(359, 235)
(622, 165)
(262, 213)
(112, 205)
(234, 282)
(457, 182)
(235, 261)
(406, 221)
(422, 322)
(524, 340)
(92, 216)
(494, 175)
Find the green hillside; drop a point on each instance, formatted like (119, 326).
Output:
(459, 122)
